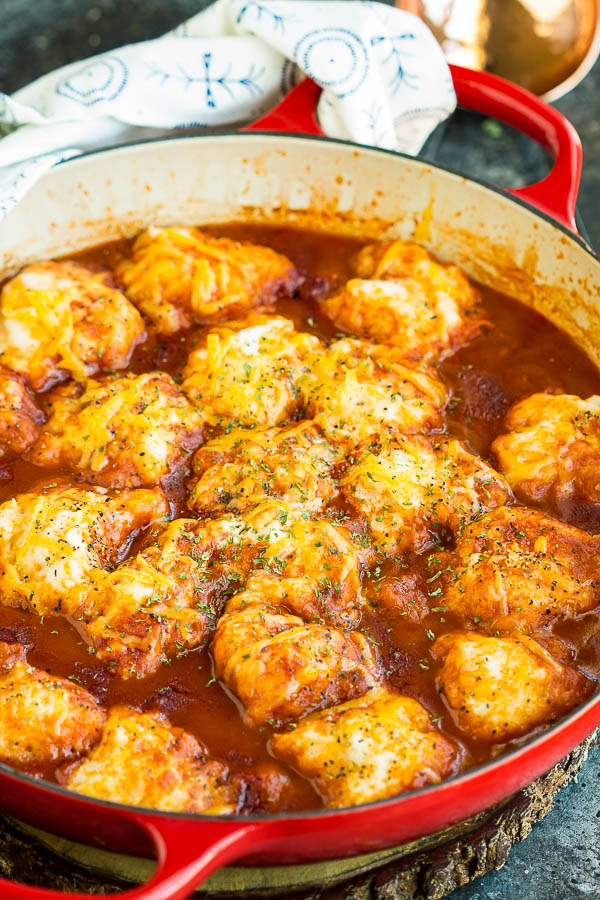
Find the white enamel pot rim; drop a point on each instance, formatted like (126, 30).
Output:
(309, 182)
(340, 188)
(277, 178)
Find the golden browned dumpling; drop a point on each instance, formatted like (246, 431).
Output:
(20, 419)
(499, 688)
(61, 318)
(143, 761)
(246, 466)
(355, 390)
(281, 668)
(520, 569)
(121, 431)
(246, 372)
(168, 597)
(372, 747)
(403, 296)
(44, 718)
(415, 491)
(56, 541)
(552, 450)
(317, 552)
(181, 276)
(290, 595)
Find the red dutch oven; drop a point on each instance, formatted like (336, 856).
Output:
(188, 848)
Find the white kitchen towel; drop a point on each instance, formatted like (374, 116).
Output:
(385, 82)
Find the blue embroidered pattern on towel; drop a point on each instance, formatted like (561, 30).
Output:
(102, 79)
(385, 83)
(228, 81)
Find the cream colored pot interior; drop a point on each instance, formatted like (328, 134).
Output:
(320, 184)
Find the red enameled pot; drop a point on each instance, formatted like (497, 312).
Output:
(493, 235)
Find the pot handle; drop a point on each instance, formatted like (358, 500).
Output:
(555, 195)
(295, 113)
(187, 853)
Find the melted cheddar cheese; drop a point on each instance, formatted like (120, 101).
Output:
(124, 431)
(355, 391)
(60, 318)
(552, 449)
(181, 276)
(246, 372)
(368, 748)
(414, 491)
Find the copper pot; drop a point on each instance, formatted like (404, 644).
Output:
(547, 46)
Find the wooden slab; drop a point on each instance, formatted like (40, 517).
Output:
(422, 870)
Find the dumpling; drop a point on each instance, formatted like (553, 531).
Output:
(246, 372)
(280, 667)
(372, 747)
(122, 431)
(356, 391)
(168, 597)
(552, 449)
(403, 296)
(61, 318)
(520, 569)
(318, 553)
(43, 718)
(20, 419)
(499, 688)
(247, 466)
(182, 276)
(142, 761)
(415, 491)
(57, 541)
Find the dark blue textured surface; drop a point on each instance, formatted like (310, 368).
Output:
(560, 860)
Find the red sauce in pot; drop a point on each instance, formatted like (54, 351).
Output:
(519, 354)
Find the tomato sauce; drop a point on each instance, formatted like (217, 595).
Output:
(519, 353)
